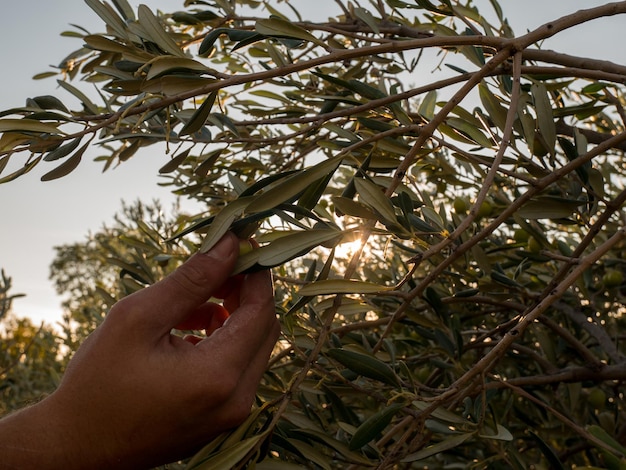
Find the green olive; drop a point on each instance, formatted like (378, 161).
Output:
(533, 245)
(613, 278)
(460, 205)
(245, 246)
(597, 398)
(485, 209)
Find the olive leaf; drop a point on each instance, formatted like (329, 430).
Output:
(373, 195)
(108, 15)
(28, 125)
(293, 185)
(545, 117)
(152, 26)
(229, 457)
(373, 426)
(165, 65)
(278, 27)
(547, 207)
(67, 166)
(285, 248)
(175, 162)
(200, 116)
(365, 365)
(341, 286)
(448, 443)
(222, 222)
(62, 151)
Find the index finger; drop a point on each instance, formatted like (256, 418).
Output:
(162, 306)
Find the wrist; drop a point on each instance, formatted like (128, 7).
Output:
(44, 435)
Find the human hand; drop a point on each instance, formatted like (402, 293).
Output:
(136, 396)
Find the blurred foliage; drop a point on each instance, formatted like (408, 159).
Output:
(115, 261)
(31, 357)
(441, 202)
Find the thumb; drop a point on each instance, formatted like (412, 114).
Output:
(170, 301)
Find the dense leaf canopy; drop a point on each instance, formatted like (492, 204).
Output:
(440, 199)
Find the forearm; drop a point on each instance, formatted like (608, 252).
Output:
(37, 437)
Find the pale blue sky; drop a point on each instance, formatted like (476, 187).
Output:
(36, 216)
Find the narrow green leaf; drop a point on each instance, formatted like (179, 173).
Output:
(200, 116)
(373, 426)
(432, 215)
(278, 27)
(548, 452)
(546, 207)
(42, 75)
(25, 169)
(67, 166)
(599, 433)
(50, 102)
(165, 65)
(269, 463)
(108, 15)
(209, 162)
(545, 117)
(365, 90)
(100, 43)
(338, 446)
(367, 18)
(63, 150)
(28, 125)
(471, 131)
(448, 443)
(373, 195)
(248, 261)
(427, 106)
(442, 414)
(354, 208)
(223, 121)
(125, 9)
(228, 458)
(365, 365)
(266, 181)
(295, 244)
(294, 185)
(87, 103)
(175, 162)
(442, 10)
(505, 280)
(325, 271)
(501, 434)
(174, 84)
(492, 105)
(374, 124)
(314, 192)
(240, 35)
(311, 454)
(153, 27)
(341, 286)
(222, 222)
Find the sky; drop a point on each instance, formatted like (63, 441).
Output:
(36, 216)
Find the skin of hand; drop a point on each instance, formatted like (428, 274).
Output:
(136, 396)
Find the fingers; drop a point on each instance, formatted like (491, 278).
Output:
(170, 301)
(209, 317)
(252, 329)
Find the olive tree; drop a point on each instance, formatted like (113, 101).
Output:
(31, 356)
(447, 240)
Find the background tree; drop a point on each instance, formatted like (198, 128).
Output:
(448, 254)
(115, 261)
(31, 357)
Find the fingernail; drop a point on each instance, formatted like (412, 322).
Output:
(224, 248)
